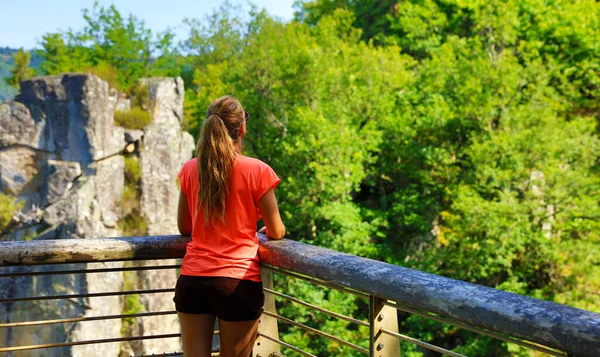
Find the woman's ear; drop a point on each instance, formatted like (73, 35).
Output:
(243, 130)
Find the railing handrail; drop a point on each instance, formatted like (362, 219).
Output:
(59, 251)
(572, 330)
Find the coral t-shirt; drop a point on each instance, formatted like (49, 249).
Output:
(227, 249)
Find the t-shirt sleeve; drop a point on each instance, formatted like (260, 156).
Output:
(267, 179)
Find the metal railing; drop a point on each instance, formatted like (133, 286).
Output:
(551, 328)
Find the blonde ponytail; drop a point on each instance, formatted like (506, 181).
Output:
(216, 153)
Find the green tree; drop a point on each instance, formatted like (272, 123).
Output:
(109, 42)
(21, 70)
(488, 168)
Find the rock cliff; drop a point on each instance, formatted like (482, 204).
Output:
(62, 155)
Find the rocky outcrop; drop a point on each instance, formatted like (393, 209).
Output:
(165, 97)
(60, 176)
(58, 145)
(19, 166)
(75, 114)
(164, 151)
(17, 127)
(62, 155)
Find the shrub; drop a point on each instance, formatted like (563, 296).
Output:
(132, 222)
(129, 202)
(136, 118)
(105, 72)
(138, 94)
(132, 303)
(8, 207)
(132, 170)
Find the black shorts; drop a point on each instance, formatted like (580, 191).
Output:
(231, 299)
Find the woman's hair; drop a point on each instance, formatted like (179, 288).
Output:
(216, 154)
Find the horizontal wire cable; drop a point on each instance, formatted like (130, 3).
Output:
(86, 342)
(334, 314)
(90, 295)
(429, 346)
(87, 271)
(462, 325)
(89, 318)
(318, 281)
(287, 345)
(314, 330)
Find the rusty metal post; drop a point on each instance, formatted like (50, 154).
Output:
(267, 325)
(381, 316)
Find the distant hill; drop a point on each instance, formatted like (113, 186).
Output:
(6, 64)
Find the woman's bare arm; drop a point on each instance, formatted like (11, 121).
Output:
(274, 227)
(184, 219)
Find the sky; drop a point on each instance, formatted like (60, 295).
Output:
(24, 22)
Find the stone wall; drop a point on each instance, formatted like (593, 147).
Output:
(63, 157)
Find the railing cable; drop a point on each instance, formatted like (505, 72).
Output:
(87, 342)
(476, 330)
(88, 271)
(90, 295)
(318, 332)
(80, 319)
(317, 281)
(334, 314)
(287, 345)
(429, 346)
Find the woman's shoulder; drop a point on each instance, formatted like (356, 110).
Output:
(191, 164)
(247, 161)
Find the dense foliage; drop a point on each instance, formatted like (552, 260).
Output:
(8, 57)
(8, 208)
(136, 118)
(110, 43)
(455, 137)
(21, 70)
